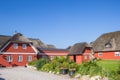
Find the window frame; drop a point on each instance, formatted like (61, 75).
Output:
(100, 54)
(108, 45)
(15, 46)
(24, 46)
(117, 53)
(29, 58)
(9, 58)
(20, 58)
(51, 57)
(85, 57)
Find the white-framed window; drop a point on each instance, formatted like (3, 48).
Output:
(108, 45)
(65, 57)
(85, 57)
(99, 54)
(51, 57)
(20, 58)
(58, 56)
(15, 46)
(117, 53)
(24, 46)
(29, 58)
(44, 56)
(9, 58)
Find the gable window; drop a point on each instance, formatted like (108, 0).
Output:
(117, 53)
(108, 45)
(99, 54)
(29, 58)
(24, 46)
(15, 46)
(9, 58)
(20, 58)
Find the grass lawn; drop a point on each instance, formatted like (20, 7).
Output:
(109, 64)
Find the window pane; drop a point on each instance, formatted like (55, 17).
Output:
(24, 46)
(85, 57)
(9, 58)
(117, 53)
(51, 57)
(19, 58)
(99, 54)
(15, 46)
(29, 58)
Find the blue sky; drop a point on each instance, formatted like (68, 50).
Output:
(60, 22)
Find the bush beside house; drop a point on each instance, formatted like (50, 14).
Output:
(87, 68)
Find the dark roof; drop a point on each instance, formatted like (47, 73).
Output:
(78, 48)
(112, 38)
(52, 49)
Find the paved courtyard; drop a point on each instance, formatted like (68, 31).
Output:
(22, 73)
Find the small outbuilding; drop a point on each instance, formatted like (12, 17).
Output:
(80, 52)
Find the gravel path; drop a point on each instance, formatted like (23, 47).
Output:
(22, 73)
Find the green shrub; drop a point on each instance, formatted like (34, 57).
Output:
(47, 67)
(41, 62)
(89, 68)
(32, 63)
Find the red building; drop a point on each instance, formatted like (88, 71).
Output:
(107, 46)
(16, 50)
(80, 52)
(50, 53)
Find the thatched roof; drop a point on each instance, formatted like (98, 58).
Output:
(107, 42)
(18, 37)
(51, 46)
(78, 48)
(4, 39)
(37, 43)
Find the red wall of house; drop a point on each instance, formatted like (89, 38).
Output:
(71, 57)
(15, 53)
(53, 53)
(80, 57)
(87, 53)
(107, 56)
(15, 59)
(10, 48)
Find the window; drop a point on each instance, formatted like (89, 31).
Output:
(99, 54)
(44, 56)
(58, 56)
(15, 46)
(51, 57)
(65, 57)
(9, 58)
(24, 46)
(29, 58)
(117, 53)
(20, 58)
(108, 45)
(85, 57)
